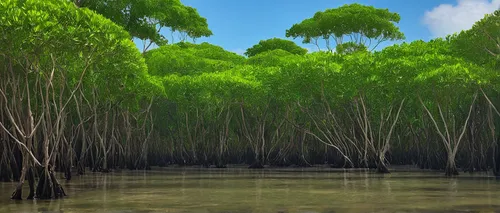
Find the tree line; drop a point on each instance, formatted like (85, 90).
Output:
(77, 95)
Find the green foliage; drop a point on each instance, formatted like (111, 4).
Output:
(210, 51)
(356, 22)
(144, 18)
(272, 58)
(414, 63)
(208, 89)
(203, 96)
(417, 48)
(480, 43)
(79, 42)
(350, 47)
(190, 59)
(275, 44)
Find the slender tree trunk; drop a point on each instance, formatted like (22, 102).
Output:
(451, 143)
(17, 195)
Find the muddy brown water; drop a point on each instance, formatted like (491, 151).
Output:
(271, 190)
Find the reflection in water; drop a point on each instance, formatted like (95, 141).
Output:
(242, 190)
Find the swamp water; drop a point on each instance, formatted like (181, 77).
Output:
(270, 190)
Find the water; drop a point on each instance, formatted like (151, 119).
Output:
(243, 190)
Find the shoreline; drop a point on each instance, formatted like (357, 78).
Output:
(319, 168)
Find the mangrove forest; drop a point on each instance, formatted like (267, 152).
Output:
(78, 96)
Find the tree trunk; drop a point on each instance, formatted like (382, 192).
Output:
(496, 158)
(451, 168)
(48, 187)
(17, 195)
(381, 167)
(256, 165)
(31, 182)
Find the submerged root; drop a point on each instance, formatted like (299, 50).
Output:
(48, 187)
(256, 165)
(451, 171)
(304, 163)
(382, 168)
(220, 165)
(451, 168)
(221, 162)
(67, 173)
(31, 182)
(496, 162)
(80, 168)
(162, 163)
(17, 194)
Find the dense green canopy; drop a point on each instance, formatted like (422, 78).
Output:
(75, 92)
(190, 59)
(480, 44)
(275, 44)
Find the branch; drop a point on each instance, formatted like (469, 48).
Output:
(465, 125)
(446, 142)
(489, 101)
(22, 145)
(386, 146)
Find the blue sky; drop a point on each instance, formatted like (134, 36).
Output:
(239, 24)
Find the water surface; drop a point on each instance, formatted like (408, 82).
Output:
(271, 190)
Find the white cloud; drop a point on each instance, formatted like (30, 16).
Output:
(447, 19)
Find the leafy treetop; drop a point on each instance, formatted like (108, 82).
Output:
(481, 43)
(274, 44)
(363, 25)
(145, 18)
